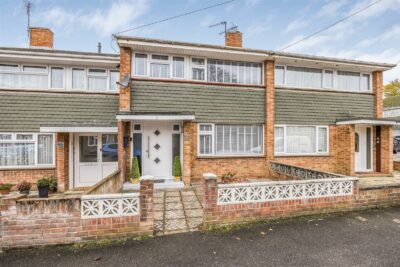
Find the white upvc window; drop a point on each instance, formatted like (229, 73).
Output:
(97, 79)
(159, 66)
(114, 78)
(9, 67)
(280, 75)
(224, 71)
(78, 78)
(230, 140)
(57, 78)
(178, 67)
(198, 69)
(328, 78)
(21, 150)
(294, 140)
(140, 64)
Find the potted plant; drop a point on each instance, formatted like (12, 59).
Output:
(177, 168)
(5, 188)
(43, 187)
(135, 172)
(24, 187)
(53, 184)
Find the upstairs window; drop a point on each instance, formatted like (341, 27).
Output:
(348, 80)
(224, 71)
(78, 78)
(328, 78)
(365, 82)
(57, 77)
(9, 67)
(198, 66)
(140, 65)
(178, 66)
(97, 80)
(159, 66)
(303, 77)
(114, 78)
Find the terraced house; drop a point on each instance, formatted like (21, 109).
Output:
(81, 116)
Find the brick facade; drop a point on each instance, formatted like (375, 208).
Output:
(124, 153)
(377, 86)
(30, 175)
(386, 149)
(269, 80)
(40, 37)
(125, 69)
(62, 161)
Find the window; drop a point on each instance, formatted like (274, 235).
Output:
(140, 66)
(78, 78)
(198, 69)
(365, 82)
(35, 77)
(97, 80)
(234, 72)
(114, 78)
(9, 67)
(301, 140)
(279, 75)
(230, 139)
(40, 69)
(348, 80)
(303, 77)
(159, 66)
(137, 144)
(328, 79)
(26, 150)
(109, 148)
(178, 66)
(57, 77)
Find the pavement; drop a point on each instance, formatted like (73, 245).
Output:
(368, 238)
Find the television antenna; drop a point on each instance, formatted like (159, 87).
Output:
(233, 28)
(28, 8)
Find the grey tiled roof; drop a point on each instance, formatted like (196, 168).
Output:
(26, 111)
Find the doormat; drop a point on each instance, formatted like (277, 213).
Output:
(159, 181)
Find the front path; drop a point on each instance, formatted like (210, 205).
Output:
(176, 211)
(369, 238)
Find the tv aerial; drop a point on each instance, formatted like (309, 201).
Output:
(233, 27)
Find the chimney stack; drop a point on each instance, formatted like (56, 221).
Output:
(40, 37)
(233, 38)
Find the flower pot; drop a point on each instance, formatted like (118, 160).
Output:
(177, 178)
(24, 191)
(43, 191)
(134, 180)
(5, 191)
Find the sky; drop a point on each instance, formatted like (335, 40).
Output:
(373, 35)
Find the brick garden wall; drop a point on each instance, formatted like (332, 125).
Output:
(215, 214)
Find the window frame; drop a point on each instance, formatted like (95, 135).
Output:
(213, 141)
(172, 72)
(203, 67)
(162, 62)
(88, 75)
(85, 79)
(316, 153)
(51, 76)
(36, 165)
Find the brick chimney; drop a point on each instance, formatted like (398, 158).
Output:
(40, 37)
(233, 39)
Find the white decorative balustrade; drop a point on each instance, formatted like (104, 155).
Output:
(283, 190)
(300, 172)
(109, 205)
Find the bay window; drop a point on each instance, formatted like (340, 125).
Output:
(230, 140)
(301, 140)
(26, 150)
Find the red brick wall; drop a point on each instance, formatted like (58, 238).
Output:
(237, 213)
(269, 78)
(30, 175)
(40, 37)
(396, 165)
(125, 69)
(62, 161)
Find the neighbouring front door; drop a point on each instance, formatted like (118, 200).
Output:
(96, 156)
(157, 149)
(363, 149)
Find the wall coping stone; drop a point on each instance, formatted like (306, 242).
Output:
(108, 196)
(146, 178)
(209, 176)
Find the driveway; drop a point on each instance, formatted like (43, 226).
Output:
(369, 238)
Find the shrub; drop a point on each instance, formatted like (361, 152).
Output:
(177, 167)
(228, 177)
(5, 186)
(53, 183)
(44, 182)
(24, 185)
(135, 172)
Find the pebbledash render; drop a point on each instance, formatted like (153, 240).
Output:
(81, 116)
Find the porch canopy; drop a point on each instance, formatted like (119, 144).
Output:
(367, 121)
(79, 128)
(155, 116)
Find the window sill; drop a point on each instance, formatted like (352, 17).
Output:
(11, 168)
(229, 156)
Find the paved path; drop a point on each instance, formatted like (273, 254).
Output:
(370, 238)
(176, 211)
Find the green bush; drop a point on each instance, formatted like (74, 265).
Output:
(177, 167)
(5, 186)
(44, 182)
(135, 172)
(53, 183)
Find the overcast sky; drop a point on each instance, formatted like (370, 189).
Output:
(373, 35)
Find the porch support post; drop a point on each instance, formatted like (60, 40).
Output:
(124, 149)
(189, 139)
(269, 125)
(62, 161)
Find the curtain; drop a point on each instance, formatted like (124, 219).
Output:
(45, 149)
(159, 70)
(348, 80)
(328, 79)
(300, 139)
(304, 77)
(365, 82)
(322, 140)
(279, 140)
(205, 144)
(78, 79)
(57, 77)
(97, 83)
(238, 139)
(140, 64)
(178, 67)
(279, 75)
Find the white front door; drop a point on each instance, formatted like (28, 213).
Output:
(96, 156)
(363, 149)
(157, 149)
